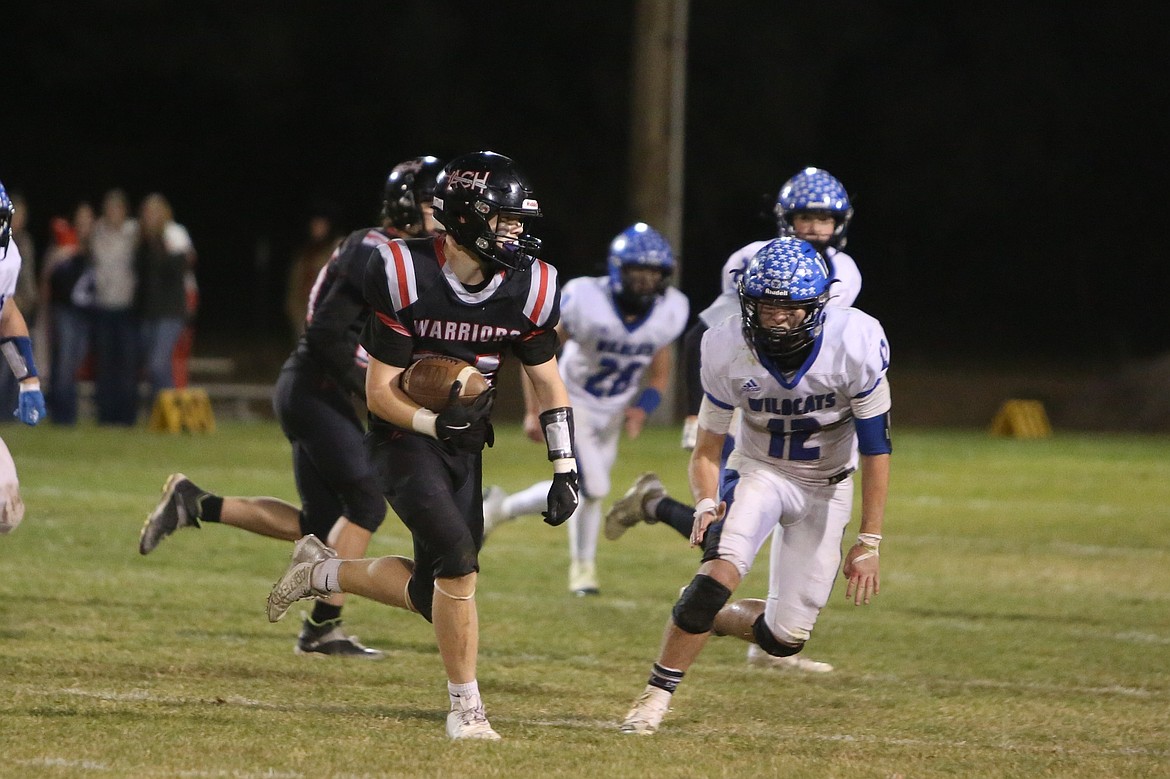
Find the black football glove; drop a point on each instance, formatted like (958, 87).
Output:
(466, 427)
(562, 498)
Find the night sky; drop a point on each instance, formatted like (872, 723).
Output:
(1006, 167)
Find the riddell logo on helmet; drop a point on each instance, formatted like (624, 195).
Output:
(468, 179)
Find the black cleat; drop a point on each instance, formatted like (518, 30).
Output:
(178, 508)
(329, 640)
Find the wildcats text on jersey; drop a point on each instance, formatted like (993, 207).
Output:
(793, 406)
(626, 349)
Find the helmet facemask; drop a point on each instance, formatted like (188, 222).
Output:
(633, 296)
(787, 347)
(498, 247)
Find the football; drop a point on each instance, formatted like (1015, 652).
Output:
(428, 381)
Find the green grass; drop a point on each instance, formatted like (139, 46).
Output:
(1023, 629)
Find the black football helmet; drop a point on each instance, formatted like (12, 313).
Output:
(409, 185)
(476, 187)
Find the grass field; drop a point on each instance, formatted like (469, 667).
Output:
(1023, 630)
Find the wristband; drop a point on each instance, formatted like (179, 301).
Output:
(423, 422)
(18, 352)
(565, 465)
(869, 542)
(649, 400)
(706, 506)
(557, 426)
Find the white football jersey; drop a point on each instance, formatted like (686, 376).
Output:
(800, 424)
(9, 272)
(845, 289)
(603, 360)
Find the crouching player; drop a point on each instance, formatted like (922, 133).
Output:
(810, 384)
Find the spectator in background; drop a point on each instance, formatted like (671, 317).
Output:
(160, 300)
(112, 244)
(323, 237)
(67, 291)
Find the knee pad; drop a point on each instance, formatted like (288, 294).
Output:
(772, 645)
(699, 603)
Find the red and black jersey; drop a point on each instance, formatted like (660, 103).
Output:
(337, 312)
(419, 307)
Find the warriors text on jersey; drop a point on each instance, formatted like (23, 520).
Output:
(799, 424)
(419, 307)
(604, 359)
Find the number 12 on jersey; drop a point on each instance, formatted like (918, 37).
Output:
(789, 439)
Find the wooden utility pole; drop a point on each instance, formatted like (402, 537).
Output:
(657, 113)
(657, 123)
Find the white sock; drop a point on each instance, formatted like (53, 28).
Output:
(460, 693)
(325, 576)
(531, 500)
(650, 506)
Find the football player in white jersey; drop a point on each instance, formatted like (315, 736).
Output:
(810, 383)
(17, 349)
(813, 206)
(615, 329)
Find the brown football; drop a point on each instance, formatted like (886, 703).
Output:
(428, 381)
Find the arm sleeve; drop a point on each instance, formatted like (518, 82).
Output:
(331, 337)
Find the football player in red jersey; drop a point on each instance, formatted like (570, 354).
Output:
(341, 495)
(471, 293)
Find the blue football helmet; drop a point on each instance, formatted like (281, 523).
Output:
(787, 273)
(638, 246)
(814, 189)
(409, 185)
(6, 210)
(471, 190)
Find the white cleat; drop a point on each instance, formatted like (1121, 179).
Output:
(758, 658)
(493, 509)
(647, 713)
(630, 509)
(469, 721)
(296, 583)
(583, 578)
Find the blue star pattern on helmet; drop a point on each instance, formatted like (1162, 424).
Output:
(814, 189)
(638, 246)
(787, 269)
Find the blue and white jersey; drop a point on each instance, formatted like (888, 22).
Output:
(603, 360)
(9, 272)
(799, 424)
(845, 289)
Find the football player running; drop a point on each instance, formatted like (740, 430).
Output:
(18, 353)
(810, 383)
(616, 330)
(473, 293)
(812, 206)
(341, 496)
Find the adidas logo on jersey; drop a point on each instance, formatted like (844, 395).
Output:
(750, 386)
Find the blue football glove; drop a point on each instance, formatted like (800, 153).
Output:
(31, 406)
